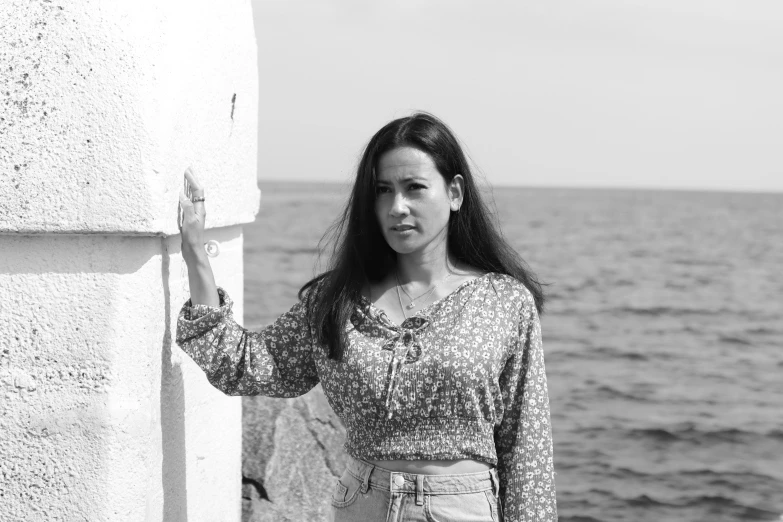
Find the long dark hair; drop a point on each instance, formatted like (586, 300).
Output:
(360, 254)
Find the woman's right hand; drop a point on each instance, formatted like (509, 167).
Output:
(193, 220)
(200, 277)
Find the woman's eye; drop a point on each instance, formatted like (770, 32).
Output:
(381, 190)
(417, 186)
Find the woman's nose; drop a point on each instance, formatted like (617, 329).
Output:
(399, 206)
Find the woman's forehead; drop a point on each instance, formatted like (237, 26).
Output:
(405, 162)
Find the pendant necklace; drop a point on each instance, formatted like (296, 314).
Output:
(412, 303)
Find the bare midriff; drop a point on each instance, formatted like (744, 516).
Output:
(433, 467)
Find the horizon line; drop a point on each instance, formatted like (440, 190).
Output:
(748, 191)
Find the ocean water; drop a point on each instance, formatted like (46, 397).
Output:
(663, 337)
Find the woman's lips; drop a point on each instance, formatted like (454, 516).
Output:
(402, 228)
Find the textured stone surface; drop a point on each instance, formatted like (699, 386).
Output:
(104, 104)
(292, 454)
(101, 419)
(77, 421)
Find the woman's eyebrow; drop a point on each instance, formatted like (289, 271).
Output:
(407, 179)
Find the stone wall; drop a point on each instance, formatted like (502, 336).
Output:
(102, 106)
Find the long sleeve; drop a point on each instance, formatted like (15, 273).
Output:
(524, 437)
(276, 361)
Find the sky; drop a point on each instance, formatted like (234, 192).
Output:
(666, 94)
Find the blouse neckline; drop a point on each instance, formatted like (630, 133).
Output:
(424, 312)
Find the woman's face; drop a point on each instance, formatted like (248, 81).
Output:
(413, 201)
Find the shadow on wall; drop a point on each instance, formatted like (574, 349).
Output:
(199, 426)
(172, 415)
(84, 254)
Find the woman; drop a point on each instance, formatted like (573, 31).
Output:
(424, 335)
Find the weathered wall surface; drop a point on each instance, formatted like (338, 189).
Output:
(78, 378)
(104, 102)
(102, 106)
(101, 418)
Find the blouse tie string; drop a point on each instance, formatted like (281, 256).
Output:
(405, 348)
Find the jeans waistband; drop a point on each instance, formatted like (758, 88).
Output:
(395, 481)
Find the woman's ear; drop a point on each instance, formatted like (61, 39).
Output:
(456, 192)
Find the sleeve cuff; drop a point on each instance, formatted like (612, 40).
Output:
(194, 312)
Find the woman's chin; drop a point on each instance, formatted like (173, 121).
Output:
(403, 247)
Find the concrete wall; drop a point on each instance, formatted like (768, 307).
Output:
(102, 106)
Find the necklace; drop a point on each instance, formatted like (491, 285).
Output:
(412, 303)
(402, 308)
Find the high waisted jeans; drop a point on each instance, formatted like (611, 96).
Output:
(367, 493)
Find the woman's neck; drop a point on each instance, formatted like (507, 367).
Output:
(424, 268)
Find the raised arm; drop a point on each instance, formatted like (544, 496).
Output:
(524, 439)
(277, 361)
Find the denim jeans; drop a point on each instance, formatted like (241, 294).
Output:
(367, 493)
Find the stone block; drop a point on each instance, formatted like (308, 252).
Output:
(104, 105)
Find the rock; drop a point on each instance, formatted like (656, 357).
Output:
(292, 454)
(258, 428)
(326, 428)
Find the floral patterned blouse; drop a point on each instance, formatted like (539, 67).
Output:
(463, 378)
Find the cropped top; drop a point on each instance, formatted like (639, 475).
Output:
(463, 378)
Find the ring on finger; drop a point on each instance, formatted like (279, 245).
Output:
(196, 199)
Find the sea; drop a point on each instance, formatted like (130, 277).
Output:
(663, 337)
